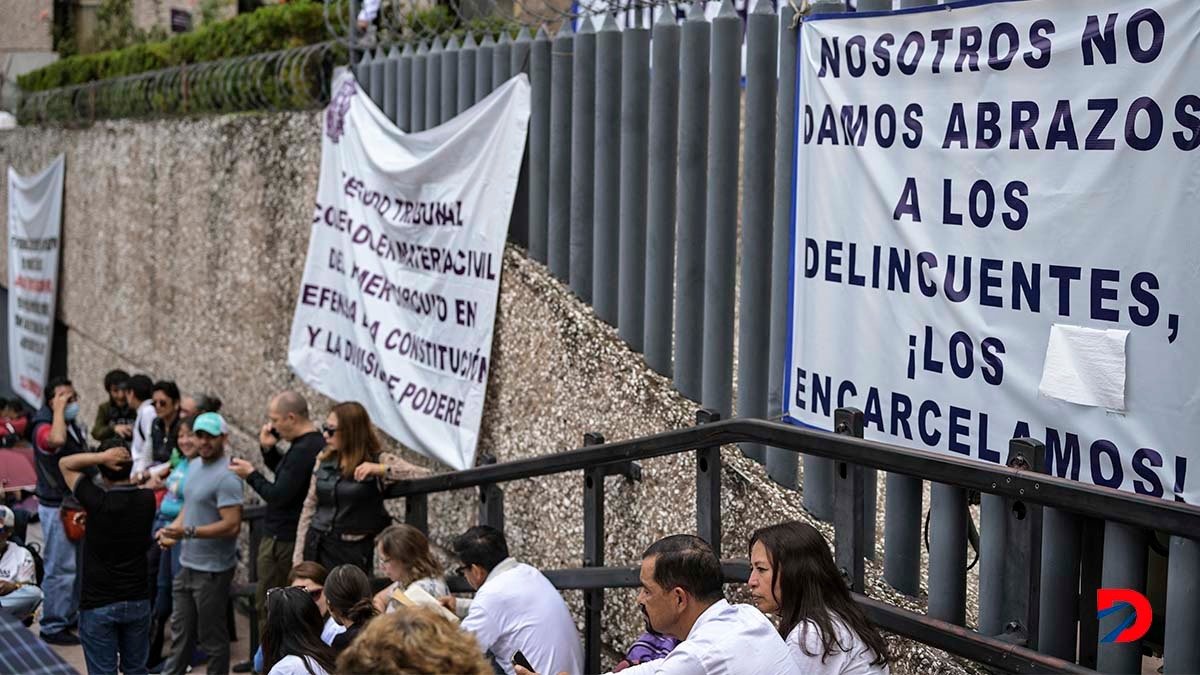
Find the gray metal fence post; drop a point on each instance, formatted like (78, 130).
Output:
(948, 554)
(635, 118)
(416, 511)
(518, 227)
(849, 506)
(606, 223)
(501, 61)
(902, 533)
(404, 75)
(449, 92)
(693, 188)
(1181, 646)
(758, 193)
(467, 58)
(1010, 554)
(558, 212)
(491, 500)
(583, 160)
(593, 556)
(390, 63)
(720, 239)
(660, 221)
(433, 84)
(420, 69)
(782, 464)
(818, 471)
(484, 71)
(539, 145)
(1124, 567)
(1057, 628)
(708, 486)
(362, 71)
(377, 77)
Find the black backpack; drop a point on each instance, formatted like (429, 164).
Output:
(39, 567)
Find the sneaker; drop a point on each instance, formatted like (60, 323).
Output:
(62, 638)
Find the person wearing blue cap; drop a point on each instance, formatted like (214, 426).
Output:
(207, 528)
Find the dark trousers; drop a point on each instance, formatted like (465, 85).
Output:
(199, 617)
(330, 550)
(274, 565)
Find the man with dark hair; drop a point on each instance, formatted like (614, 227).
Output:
(56, 434)
(288, 420)
(682, 596)
(516, 608)
(115, 604)
(139, 396)
(114, 417)
(207, 528)
(164, 431)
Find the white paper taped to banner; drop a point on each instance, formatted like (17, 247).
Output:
(966, 180)
(398, 299)
(34, 240)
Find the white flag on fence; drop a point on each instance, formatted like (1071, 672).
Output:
(995, 199)
(34, 239)
(398, 300)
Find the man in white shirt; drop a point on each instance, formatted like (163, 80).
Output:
(19, 593)
(515, 608)
(141, 446)
(682, 596)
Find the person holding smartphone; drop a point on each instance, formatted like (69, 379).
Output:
(288, 421)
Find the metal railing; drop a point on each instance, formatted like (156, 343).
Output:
(1025, 494)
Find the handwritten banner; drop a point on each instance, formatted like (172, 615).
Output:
(398, 300)
(34, 239)
(994, 233)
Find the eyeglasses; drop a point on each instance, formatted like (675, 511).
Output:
(329, 430)
(161, 404)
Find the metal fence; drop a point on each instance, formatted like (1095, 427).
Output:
(292, 79)
(651, 169)
(1024, 636)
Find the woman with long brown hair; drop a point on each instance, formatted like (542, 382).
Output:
(407, 560)
(792, 575)
(344, 509)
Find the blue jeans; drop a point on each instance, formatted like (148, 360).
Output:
(62, 586)
(22, 602)
(118, 628)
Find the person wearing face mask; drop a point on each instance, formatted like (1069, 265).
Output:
(793, 576)
(56, 435)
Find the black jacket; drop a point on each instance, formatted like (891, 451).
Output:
(285, 496)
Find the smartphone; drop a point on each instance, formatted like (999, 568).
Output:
(274, 433)
(520, 660)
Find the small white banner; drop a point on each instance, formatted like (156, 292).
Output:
(34, 239)
(972, 175)
(398, 300)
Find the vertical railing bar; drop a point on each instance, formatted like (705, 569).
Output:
(593, 556)
(583, 160)
(558, 215)
(708, 486)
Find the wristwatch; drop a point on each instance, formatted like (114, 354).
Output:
(189, 532)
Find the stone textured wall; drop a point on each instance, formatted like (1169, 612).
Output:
(184, 245)
(25, 25)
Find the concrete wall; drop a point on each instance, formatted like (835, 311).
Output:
(184, 244)
(26, 25)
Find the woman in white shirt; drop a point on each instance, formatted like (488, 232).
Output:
(292, 638)
(406, 559)
(792, 575)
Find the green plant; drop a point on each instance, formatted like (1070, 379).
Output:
(272, 28)
(114, 24)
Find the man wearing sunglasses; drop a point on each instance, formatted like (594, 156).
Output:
(288, 421)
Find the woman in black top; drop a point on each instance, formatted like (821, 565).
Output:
(348, 596)
(344, 510)
(292, 635)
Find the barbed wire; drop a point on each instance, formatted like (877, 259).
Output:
(403, 21)
(289, 79)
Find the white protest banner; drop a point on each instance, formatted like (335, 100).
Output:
(995, 233)
(398, 299)
(34, 238)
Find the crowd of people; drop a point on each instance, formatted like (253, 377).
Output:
(141, 548)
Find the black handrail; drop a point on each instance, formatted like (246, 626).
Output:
(1171, 517)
